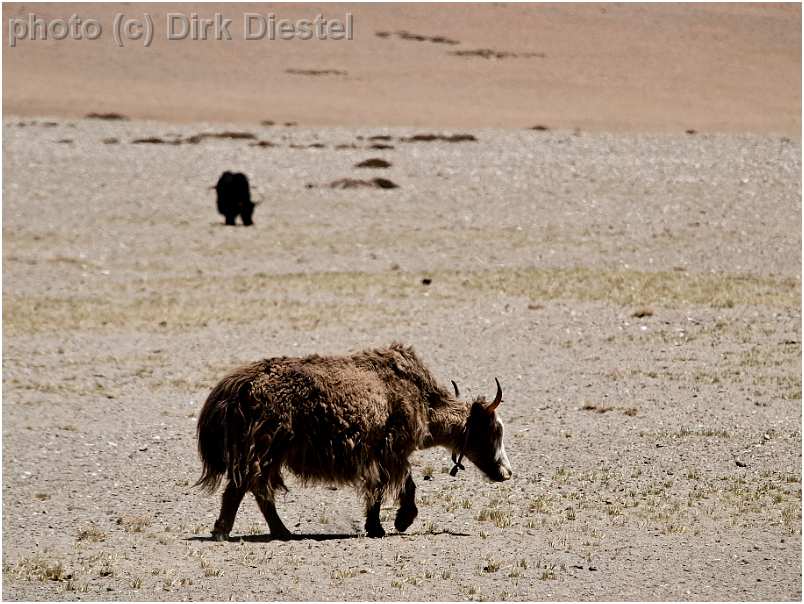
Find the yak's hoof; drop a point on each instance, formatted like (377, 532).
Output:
(219, 536)
(281, 535)
(404, 518)
(375, 531)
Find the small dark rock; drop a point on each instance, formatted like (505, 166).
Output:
(357, 183)
(384, 183)
(150, 140)
(374, 162)
(447, 138)
(106, 116)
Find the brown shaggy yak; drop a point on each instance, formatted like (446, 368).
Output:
(343, 420)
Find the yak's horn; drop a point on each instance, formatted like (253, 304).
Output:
(457, 392)
(497, 399)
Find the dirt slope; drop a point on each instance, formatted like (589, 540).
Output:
(659, 67)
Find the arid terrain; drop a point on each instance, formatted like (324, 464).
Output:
(600, 205)
(638, 296)
(627, 67)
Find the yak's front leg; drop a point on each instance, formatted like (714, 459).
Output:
(230, 502)
(407, 511)
(373, 502)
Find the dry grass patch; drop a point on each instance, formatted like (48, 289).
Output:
(602, 408)
(500, 518)
(187, 308)
(91, 533)
(540, 504)
(706, 432)
(341, 574)
(133, 523)
(596, 408)
(630, 287)
(36, 568)
(196, 301)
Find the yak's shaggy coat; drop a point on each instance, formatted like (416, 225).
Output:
(354, 420)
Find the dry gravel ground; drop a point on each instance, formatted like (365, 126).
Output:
(655, 456)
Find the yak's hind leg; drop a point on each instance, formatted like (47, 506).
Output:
(407, 511)
(373, 502)
(230, 502)
(266, 502)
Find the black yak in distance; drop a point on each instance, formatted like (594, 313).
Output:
(234, 198)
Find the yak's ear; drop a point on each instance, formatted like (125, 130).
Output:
(457, 392)
(497, 399)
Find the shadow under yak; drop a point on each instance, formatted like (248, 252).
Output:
(265, 538)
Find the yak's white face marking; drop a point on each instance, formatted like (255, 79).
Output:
(499, 453)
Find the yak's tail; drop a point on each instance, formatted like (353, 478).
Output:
(222, 429)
